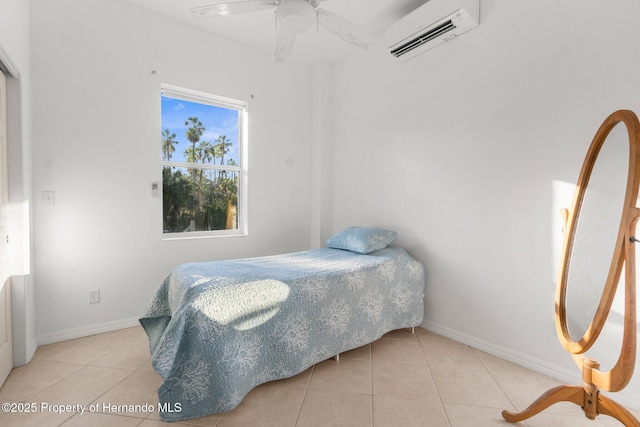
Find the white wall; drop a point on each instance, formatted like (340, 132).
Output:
(97, 146)
(321, 152)
(461, 150)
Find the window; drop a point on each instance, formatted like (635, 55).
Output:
(203, 164)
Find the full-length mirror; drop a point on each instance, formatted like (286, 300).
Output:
(597, 224)
(599, 249)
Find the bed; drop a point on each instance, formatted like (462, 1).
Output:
(218, 329)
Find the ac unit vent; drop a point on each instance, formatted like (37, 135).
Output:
(430, 25)
(427, 36)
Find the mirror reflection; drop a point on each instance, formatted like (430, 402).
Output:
(596, 231)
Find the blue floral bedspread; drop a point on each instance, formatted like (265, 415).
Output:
(218, 329)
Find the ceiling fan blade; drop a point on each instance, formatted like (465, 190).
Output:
(231, 8)
(284, 44)
(344, 29)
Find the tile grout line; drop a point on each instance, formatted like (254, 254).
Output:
(506, 395)
(426, 361)
(373, 421)
(304, 396)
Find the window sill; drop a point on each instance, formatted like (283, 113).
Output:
(191, 235)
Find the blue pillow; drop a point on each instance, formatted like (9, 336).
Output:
(362, 240)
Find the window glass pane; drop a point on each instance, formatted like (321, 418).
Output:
(199, 199)
(199, 133)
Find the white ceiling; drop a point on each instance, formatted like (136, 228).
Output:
(258, 28)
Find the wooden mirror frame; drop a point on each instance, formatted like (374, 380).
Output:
(588, 395)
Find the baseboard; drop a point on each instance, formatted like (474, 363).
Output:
(626, 398)
(85, 331)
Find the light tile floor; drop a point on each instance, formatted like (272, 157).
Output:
(402, 379)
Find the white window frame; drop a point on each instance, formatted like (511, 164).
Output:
(242, 170)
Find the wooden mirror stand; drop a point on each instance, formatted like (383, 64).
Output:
(588, 395)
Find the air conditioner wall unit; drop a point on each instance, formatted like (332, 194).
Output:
(430, 25)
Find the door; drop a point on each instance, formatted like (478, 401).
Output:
(6, 347)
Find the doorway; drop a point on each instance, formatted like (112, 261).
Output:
(6, 346)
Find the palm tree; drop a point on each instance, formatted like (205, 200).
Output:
(222, 147)
(192, 154)
(168, 144)
(194, 132)
(206, 152)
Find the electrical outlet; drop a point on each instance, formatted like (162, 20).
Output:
(94, 296)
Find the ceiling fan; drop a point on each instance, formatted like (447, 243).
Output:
(293, 17)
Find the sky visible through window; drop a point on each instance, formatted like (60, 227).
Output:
(217, 121)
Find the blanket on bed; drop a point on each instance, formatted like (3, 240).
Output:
(218, 329)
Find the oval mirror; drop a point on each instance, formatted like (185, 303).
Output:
(593, 254)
